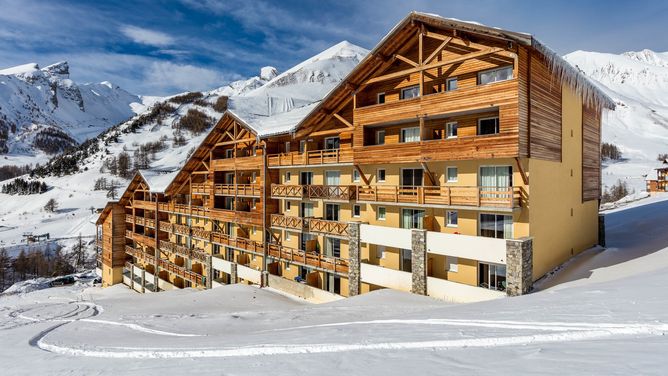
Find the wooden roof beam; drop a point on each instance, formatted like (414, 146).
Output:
(473, 55)
(405, 60)
(343, 120)
(437, 51)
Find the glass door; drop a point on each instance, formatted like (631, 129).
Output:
(406, 259)
(412, 218)
(332, 177)
(492, 276)
(306, 178)
(332, 212)
(306, 209)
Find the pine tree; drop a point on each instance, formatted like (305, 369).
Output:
(51, 205)
(124, 164)
(112, 190)
(5, 269)
(20, 265)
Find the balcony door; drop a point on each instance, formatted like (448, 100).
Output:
(412, 218)
(332, 177)
(496, 182)
(332, 143)
(332, 212)
(492, 276)
(332, 247)
(305, 178)
(307, 209)
(412, 177)
(308, 242)
(229, 178)
(496, 226)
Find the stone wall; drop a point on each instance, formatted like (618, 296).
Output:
(355, 254)
(519, 266)
(419, 261)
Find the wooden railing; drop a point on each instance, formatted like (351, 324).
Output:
(238, 189)
(170, 267)
(314, 157)
(236, 242)
(327, 227)
(284, 221)
(437, 195)
(128, 234)
(148, 222)
(143, 204)
(184, 251)
(286, 190)
(329, 263)
(200, 188)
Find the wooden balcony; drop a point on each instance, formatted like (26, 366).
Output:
(239, 163)
(142, 204)
(326, 227)
(143, 239)
(331, 264)
(237, 242)
(252, 217)
(287, 222)
(200, 188)
(250, 190)
(148, 222)
(460, 100)
(311, 158)
(179, 271)
(324, 192)
(183, 251)
(475, 197)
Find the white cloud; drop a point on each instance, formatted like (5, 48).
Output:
(146, 36)
(165, 76)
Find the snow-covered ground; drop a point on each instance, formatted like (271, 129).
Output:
(603, 313)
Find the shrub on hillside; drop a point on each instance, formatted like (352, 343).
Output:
(12, 171)
(187, 97)
(221, 104)
(610, 151)
(195, 121)
(618, 191)
(24, 187)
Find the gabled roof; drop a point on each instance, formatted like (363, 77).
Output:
(105, 212)
(400, 33)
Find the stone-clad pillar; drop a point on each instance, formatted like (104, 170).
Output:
(233, 273)
(601, 230)
(209, 272)
(419, 261)
(355, 254)
(519, 266)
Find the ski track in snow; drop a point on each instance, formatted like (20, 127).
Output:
(563, 332)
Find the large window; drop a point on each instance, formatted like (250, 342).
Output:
(496, 226)
(411, 177)
(451, 174)
(333, 247)
(495, 75)
(356, 176)
(307, 209)
(332, 177)
(332, 143)
(412, 218)
(492, 276)
(406, 260)
(496, 182)
(306, 178)
(488, 126)
(332, 212)
(410, 92)
(410, 134)
(357, 211)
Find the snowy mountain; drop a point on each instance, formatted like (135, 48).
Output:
(638, 82)
(42, 111)
(72, 176)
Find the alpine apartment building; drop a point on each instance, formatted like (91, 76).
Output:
(456, 160)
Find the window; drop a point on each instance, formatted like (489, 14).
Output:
(496, 182)
(411, 177)
(302, 146)
(287, 235)
(451, 174)
(488, 126)
(332, 247)
(410, 92)
(451, 84)
(253, 176)
(306, 178)
(307, 209)
(492, 276)
(287, 146)
(381, 175)
(412, 218)
(380, 137)
(287, 206)
(451, 217)
(380, 215)
(451, 130)
(356, 176)
(496, 226)
(495, 75)
(410, 134)
(332, 212)
(229, 153)
(286, 265)
(380, 251)
(406, 260)
(332, 143)
(288, 176)
(380, 98)
(332, 177)
(356, 211)
(451, 264)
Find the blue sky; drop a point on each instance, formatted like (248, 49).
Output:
(162, 47)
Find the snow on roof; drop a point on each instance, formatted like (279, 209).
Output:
(264, 124)
(158, 180)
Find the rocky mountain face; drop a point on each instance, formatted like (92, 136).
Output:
(42, 111)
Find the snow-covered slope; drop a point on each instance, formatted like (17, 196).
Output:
(268, 102)
(638, 82)
(43, 110)
(604, 313)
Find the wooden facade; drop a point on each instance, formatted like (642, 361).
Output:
(413, 132)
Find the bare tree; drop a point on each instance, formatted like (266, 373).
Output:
(5, 269)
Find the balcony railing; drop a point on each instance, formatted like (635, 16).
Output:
(200, 188)
(446, 196)
(327, 227)
(314, 157)
(237, 242)
(287, 222)
(253, 190)
(326, 192)
(170, 267)
(183, 251)
(329, 263)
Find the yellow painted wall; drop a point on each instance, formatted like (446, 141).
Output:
(111, 276)
(561, 224)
